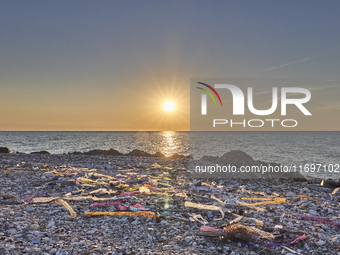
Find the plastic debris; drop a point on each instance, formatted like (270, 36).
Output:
(234, 221)
(301, 195)
(86, 198)
(281, 244)
(107, 203)
(126, 214)
(205, 207)
(137, 207)
(199, 218)
(68, 207)
(237, 232)
(210, 231)
(251, 206)
(269, 200)
(324, 220)
(151, 193)
(102, 191)
(89, 181)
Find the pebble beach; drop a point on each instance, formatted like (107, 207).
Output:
(104, 204)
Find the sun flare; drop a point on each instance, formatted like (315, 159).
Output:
(169, 106)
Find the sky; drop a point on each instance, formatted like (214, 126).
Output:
(110, 65)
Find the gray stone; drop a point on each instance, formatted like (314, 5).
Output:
(188, 239)
(313, 212)
(49, 175)
(320, 243)
(53, 251)
(164, 223)
(29, 209)
(290, 194)
(36, 240)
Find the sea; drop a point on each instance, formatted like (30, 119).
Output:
(319, 150)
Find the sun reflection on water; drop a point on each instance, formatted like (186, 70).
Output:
(169, 145)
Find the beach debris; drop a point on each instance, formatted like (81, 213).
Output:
(102, 191)
(107, 203)
(286, 244)
(291, 250)
(268, 201)
(68, 207)
(251, 206)
(239, 233)
(136, 192)
(81, 198)
(199, 218)
(324, 220)
(205, 207)
(336, 191)
(126, 214)
(210, 231)
(305, 196)
(235, 233)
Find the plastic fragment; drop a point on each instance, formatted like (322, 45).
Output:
(218, 200)
(270, 200)
(151, 193)
(238, 232)
(132, 193)
(143, 189)
(137, 207)
(251, 206)
(68, 207)
(159, 177)
(236, 220)
(102, 190)
(206, 184)
(210, 231)
(107, 203)
(324, 220)
(282, 244)
(87, 198)
(126, 214)
(199, 218)
(301, 195)
(205, 207)
(89, 181)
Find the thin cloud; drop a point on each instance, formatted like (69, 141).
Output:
(286, 64)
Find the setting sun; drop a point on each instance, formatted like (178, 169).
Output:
(169, 106)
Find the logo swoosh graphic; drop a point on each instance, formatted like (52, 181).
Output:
(212, 90)
(208, 93)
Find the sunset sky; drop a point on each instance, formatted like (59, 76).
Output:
(111, 65)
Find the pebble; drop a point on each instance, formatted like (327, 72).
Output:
(320, 243)
(313, 212)
(290, 194)
(48, 228)
(188, 239)
(36, 240)
(30, 209)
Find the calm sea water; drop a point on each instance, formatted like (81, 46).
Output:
(282, 147)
